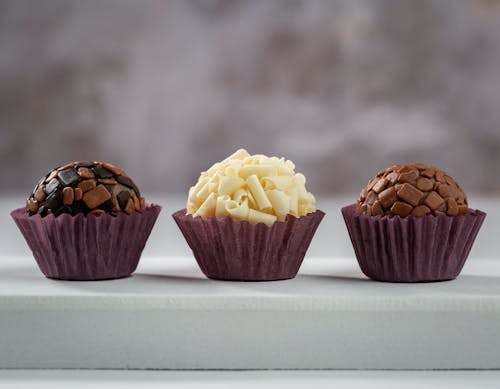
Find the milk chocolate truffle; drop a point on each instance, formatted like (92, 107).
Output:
(412, 223)
(412, 189)
(85, 187)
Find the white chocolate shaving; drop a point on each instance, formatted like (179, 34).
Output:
(256, 188)
(258, 192)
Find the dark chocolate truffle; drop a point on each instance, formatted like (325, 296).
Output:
(412, 189)
(85, 187)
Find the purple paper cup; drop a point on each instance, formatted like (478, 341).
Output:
(422, 249)
(87, 248)
(226, 249)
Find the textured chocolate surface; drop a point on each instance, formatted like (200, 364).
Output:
(85, 187)
(412, 189)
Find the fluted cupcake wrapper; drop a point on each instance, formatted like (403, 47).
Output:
(227, 249)
(87, 247)
(427, 248)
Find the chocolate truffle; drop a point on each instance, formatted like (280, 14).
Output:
(412, 189)
(85, 187)
(249, 218)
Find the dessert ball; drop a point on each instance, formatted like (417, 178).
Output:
(249, 218)
(85, 187)
(412, 189)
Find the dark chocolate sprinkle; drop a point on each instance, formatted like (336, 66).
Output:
(84, 164)
(79, 207)
(52, 186)
(63, 209)
(54, 200)
(125, 181)
(42, 211)
(122, 198)
(38, 184)
(69, 177)
(100, 172)
(128, 182)
(107, 205)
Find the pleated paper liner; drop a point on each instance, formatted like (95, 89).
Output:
(87, 247)
(427, 248)
(226, 249)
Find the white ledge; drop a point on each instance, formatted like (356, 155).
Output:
(169, 316)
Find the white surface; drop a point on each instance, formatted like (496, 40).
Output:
(169, 316)
(54, 379)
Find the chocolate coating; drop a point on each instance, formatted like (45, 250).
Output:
(412, 189)
(85, 187)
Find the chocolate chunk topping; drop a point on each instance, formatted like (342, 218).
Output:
(40, 194)
(96, 196)
(101, 172)
(376, 208)
(127, 181)
(52, 185)
(42, 211)
(54, 200)
(68, 177)
(32, 205)
(85, 187)
(408, 176)
(388, 197)
(414, 189)
(401, 209)
(123, 198)
(113, 169)
(380, 185)
(108, 181)
(78, 193)
(85, 172)
(421, 210)
(68, 196)
(129, 208)
(52, 175)
(84, 164)
(410, 194)
(434, 201)
(452, 206)
(137, 204)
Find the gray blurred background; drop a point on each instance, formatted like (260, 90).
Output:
(166, 88)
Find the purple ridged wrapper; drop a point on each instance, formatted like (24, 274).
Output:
(227, 249)
(86, 248)
(412, 249)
